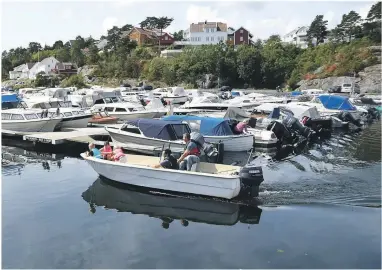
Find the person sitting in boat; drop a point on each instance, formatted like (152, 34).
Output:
(118, 155)
(169, 161)
(191, 155)
(94, 151)
(107, 151)
(241, 127)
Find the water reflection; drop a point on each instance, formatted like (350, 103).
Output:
(168, 209)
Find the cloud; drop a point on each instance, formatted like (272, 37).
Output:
(67, 14)
(196, 14)
(108, 23)
(363, 11)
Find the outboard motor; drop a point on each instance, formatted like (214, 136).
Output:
(374, 113)
(293, 124)
(143, 103)
(163, 101)
(280, 131)
(251, 177)
(252, 122)
(348, 117)
(211, 152)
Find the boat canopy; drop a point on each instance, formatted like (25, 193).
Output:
(236, 113)
(9, 98)
(334, 102)
(209, 126)
(159, 129)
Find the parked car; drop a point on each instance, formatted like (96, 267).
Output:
(147, 87)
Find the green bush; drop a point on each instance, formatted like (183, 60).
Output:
(74, 80)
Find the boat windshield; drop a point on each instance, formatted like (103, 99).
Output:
(179, 130)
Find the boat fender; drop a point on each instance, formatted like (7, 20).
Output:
(251, 177)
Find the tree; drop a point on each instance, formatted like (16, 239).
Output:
(76, 55)
(127, 27)
(80, 42)
(372, 25)
(318, 30)
(93, 56)
(113, 35)
(34, 47)
(41, 80)
(159, 23)
(58, 44)
(63, 55)
(178, 36)
(249, 64)
(350, 25)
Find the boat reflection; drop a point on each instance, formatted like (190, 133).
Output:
(124, 198)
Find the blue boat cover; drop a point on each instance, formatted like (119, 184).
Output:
(9, 98)
(296, 93)
(209, 126)
(159, 129)
(334, 102)
(275, 114)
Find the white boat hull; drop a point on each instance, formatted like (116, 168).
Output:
(76, 122)
(263, 138)
(214, 185)
(234, 143)
(38, 125)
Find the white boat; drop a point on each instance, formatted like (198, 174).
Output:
(174, 95)
(24, 120)
(216, 130)
(263, 138)
(207, 179)
(125, 110)
(251, 101)
(210, 102)
(149, 136)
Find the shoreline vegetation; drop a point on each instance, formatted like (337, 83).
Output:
(342, 51)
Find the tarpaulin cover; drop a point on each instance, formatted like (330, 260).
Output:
(209, 126)
(333, 102)
(9, 98)
(236, 113)
(296, 93)
(159, 129)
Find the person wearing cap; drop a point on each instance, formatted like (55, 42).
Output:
(242, 127)
(169, 161)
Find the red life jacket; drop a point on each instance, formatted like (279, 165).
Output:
(195, 151)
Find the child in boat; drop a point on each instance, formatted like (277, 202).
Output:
(118, 154)
(94, 152)
(107, 151)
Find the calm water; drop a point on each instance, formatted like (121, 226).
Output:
(320, 209)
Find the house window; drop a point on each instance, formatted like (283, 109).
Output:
(207, 39)
(166, 37)
(212, 38)
(207, 30)
(199, 38)
(241, 39)
(212, 30)
(241, 31)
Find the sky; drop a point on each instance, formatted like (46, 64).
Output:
(48, 21)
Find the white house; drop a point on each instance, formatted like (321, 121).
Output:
(46, 65)
(21, 71)
(202, 33)
(298, 37)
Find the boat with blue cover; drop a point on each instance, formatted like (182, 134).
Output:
(215, 130)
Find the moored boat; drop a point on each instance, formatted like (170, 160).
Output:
(216, 130)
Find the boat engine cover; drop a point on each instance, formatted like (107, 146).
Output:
(251, 177)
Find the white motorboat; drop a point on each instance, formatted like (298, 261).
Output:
(173, 95)
(216, 130)
(148, 136)
(263, 138)
(210, 102)
(251, 101)
(125, 110)
(207, 179)
(24, 120)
